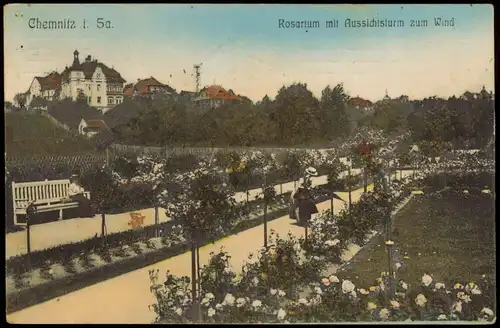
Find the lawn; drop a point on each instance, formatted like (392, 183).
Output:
(451, 237)
(29, 134)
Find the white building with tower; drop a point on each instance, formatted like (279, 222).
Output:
(100, 86)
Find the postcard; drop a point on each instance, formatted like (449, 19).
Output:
(249, 163)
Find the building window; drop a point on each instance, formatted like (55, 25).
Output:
(98, 100)
(110, 100)
(89, 87)
(98, 87)
(90, 100)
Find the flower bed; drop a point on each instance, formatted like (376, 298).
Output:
(275, 284)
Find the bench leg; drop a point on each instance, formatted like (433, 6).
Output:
(60, 214)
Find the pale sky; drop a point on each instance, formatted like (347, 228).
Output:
(242, 47)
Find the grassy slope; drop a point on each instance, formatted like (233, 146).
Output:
(451, 238)
(28, 134)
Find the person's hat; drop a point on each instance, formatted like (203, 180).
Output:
(311, 171)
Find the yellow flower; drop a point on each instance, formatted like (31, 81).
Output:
(263, 276)
(372, 288)
(484, 276)
(371, 306)
(230, 170)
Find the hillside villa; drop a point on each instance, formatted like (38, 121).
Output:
(147, 87)
(101, 86)
(215, 96)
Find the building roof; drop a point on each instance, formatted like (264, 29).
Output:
(218, 92)
(359, 102)
(96, 124)
(143, 86)
(89, 66)
(49, 82)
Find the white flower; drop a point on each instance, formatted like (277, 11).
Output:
(179, 293)
(363, 291)
(318, 290)
(487, 311)
(281, 314)
(384, 314)
(353, 294)
(205, 301)
(178, 311)
(229, 299)
(457, 307)
(426, 280)
(240, 302)
(273, 291)
(421, 300)
(439, 285)
(255, 281)
(371, 306)
(211, 312)
(256, 304)
(475, 290)
(281, 293)
(442, 317)
(227, 270)
(219, 306)
(404, 285)
(210, 296)
(347, 286)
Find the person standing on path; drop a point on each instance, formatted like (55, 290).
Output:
(301, 197)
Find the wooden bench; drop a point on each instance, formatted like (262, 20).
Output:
(47, 196)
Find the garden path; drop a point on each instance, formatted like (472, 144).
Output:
(51, 234)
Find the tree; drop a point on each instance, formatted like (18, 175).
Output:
(20, 100)
(334, 104)
(203, 204)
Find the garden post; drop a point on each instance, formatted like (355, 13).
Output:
(157, 221)
(248, 186)
(103, 227)
(349, 185)
(194, 296)
(199, 279)
(365, 180)
(331, 203)
(30, 214)
(265, 210)
(28, 244)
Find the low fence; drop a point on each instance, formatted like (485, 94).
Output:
(197, 151)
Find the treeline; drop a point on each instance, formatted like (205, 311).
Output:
(295, 117)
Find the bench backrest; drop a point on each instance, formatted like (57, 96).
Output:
(40, 191)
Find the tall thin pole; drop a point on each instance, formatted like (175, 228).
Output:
(194, 295)
(28, 239)
(349, 185)
(199, 280)
(265, 210)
